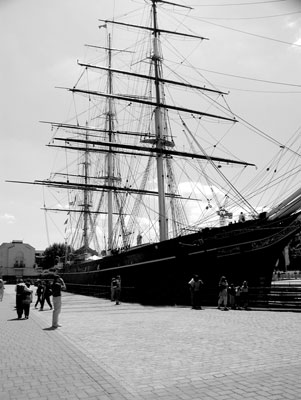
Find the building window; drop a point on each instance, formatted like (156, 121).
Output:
(19, 260)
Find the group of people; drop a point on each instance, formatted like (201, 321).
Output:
(43, 294)
(235, 297)
(24, 297)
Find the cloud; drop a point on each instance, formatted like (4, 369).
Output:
(9, 219)
(298, 42)
(203, 191)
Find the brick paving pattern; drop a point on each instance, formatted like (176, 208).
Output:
(108, 352)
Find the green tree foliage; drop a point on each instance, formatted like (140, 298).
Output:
(54, 254)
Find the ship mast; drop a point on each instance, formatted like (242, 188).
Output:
(110, 155)
(86, 205)
(163, 223)
(159, 139)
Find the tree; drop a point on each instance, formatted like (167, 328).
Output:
(54, 254)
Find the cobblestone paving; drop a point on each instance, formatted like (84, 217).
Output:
(104, 351)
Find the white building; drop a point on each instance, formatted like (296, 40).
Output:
(17, 259)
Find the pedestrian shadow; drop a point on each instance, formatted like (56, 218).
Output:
(15, 319)
(49, 329)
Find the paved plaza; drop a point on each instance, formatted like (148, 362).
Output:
(108, 352)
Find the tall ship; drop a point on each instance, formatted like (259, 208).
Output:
(149, 188)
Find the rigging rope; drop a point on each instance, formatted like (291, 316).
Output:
(218, 171)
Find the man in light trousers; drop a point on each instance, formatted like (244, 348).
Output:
(57, 287)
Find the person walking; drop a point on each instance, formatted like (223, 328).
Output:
(57, 286)
(47, 294)
(195, 291)
(39, 294)
(27, 299)
(223, 293)
(2, 288)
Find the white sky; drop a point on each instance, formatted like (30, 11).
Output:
(41, 41)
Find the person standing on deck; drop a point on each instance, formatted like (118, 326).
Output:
(241, 217)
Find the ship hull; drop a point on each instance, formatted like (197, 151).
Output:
(159, 273)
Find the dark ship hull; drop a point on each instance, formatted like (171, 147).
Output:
(158, 273)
